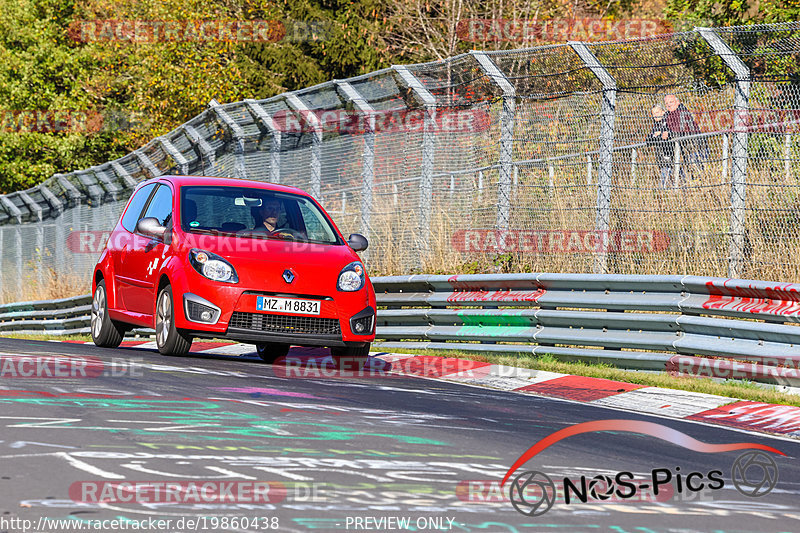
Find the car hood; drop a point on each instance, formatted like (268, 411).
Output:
(260, 263)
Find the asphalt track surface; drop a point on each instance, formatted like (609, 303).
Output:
(340, 449)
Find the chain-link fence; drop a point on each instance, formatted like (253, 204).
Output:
(676, 154)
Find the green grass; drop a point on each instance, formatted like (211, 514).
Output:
(83, 338)
(745, 390)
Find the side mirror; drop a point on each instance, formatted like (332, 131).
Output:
(150, 227)
(357, 242)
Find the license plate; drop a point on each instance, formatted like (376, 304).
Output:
(287, 305)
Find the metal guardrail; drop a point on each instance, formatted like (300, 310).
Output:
(682, 324)
(653, 323)
(65, 316)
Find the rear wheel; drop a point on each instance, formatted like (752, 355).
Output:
(357, 354)
(105, 332)
(269, 352)
(169, 339)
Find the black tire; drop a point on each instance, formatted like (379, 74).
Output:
(105, 332)
(169, 339)
(358, 354)
(269, 352)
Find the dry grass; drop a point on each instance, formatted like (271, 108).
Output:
(695, 219)
(53, 284)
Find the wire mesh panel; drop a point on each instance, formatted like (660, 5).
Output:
(675, 154)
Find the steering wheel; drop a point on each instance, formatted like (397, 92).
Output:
(288, 232)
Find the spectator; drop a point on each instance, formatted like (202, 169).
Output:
(681, 123)
(659, 138)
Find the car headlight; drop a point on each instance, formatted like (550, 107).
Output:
(212, 266)
(352, 277)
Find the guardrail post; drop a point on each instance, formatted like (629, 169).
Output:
(275, 134)
(316, 142)
(605, 157)
(239, 170)
(428, 155)
(741, 106)
(368, 167)
(507, 119)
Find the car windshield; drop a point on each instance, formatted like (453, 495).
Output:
(255, 213)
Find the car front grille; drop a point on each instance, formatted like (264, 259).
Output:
(286, 324)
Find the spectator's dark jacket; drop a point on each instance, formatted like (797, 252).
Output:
(682, 123)
(665, 148)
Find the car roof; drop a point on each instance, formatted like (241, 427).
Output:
(227, 182)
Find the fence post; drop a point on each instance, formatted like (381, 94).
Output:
(605, 157)
(38, 253)
(18, 257)
(316, 142)
(787, 151)
(368, 165)
(239, 170)
(676, 165)
(725, 142)
(741, 106)
(276, 135)
(507, 119)
(207, 153)
(428, 154)
(175, 154)
(147, 164)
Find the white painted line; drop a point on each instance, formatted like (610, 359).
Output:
(668, 402)
(86, 467)
(145, 346)
(232, 349)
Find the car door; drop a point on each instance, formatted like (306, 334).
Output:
(120, 243)
(146, 254)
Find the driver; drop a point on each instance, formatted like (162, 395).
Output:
(269, 212)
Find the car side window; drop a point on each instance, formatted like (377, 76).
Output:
(131, 216)
(160, 206)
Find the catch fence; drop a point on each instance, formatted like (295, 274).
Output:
(542, 159)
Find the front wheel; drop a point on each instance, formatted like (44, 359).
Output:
(169, 339)
(105, 332)
(357, 354)
(269, 352)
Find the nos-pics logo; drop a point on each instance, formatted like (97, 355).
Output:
(754, 473)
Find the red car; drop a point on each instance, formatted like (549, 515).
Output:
(226, 258)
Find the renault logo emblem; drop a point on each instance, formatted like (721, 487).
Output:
(288, 275)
